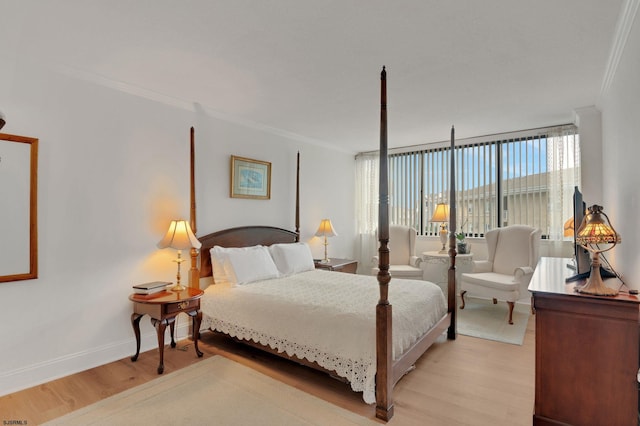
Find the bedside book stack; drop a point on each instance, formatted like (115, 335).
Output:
(151, 288)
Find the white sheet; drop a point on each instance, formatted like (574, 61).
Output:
(325, 317)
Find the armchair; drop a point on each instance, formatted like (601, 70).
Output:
(402, 260)
(513, 254)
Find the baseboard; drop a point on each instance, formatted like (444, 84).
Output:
(46, 371)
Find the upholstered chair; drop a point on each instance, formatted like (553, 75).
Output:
(403, 263)
(513, 254)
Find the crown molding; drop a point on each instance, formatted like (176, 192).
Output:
(155, 96)
(623, 28)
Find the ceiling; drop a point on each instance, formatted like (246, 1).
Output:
(310, 69)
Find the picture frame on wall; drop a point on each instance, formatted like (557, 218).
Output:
(250, 178)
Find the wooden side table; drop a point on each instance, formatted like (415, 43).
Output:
(341, 265)
(163, 307)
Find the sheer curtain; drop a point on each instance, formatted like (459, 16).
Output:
(563, 163)
(366, 208)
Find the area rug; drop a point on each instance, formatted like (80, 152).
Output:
(481, 318)
(214, 391)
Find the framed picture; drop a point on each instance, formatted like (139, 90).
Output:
(250, 178)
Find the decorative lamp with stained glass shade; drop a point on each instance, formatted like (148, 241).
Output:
(597, 235)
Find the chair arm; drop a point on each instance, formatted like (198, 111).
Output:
(482, 266)
(375, 260)
(415, 261)
(522, 272)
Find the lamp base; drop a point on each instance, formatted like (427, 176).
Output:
(594, 284)
(444, 236)
(326, 257)
(178, 287)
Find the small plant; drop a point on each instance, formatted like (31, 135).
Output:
(462, 246)
(460, 235)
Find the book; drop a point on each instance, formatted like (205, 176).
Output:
(151, 287)
(150, 296)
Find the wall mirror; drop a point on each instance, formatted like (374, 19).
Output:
(18, 209)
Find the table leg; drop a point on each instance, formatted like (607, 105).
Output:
(161, 326)
(197, 319)
(135, 323)
(172, 327)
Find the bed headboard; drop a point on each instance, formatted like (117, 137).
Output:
(243, 236)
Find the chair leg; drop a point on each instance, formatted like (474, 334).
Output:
(511, 305)
(495, 301)
(462, 293)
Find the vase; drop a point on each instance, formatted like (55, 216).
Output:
(462, 248)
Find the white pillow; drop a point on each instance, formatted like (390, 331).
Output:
(292, 258)
(218, 258)
(250, 264)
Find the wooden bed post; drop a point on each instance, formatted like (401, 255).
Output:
(298, 197)
(451, 285)
(194, 273)
(384, 342)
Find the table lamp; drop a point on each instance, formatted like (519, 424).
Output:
(441, 214)
(326, 230)
(596, 230)
(568, 227)
(179, 237)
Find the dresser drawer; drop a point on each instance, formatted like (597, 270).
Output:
(186, 305)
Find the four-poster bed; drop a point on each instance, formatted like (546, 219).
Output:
(395, 344)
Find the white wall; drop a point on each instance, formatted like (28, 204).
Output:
(621, 153)
(113, 171)
(589, 122)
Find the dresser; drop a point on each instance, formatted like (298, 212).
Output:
(587, 355)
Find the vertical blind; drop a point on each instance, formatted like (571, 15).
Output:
(517, 180)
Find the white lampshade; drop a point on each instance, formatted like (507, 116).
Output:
(326, 229)
(179, 236)
(441, 213)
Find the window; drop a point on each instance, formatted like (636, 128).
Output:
(520, 178)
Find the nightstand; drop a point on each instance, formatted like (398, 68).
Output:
(436, 267)
(341, 265)
(163, 307)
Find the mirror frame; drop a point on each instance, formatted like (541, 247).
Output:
(33, 209)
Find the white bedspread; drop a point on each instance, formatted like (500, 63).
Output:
(325, 317)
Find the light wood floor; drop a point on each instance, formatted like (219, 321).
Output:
(468, 381)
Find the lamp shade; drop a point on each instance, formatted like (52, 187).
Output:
(568, 227)
(596, 229)
(179, 236)
(441, 214)
(326, 229)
